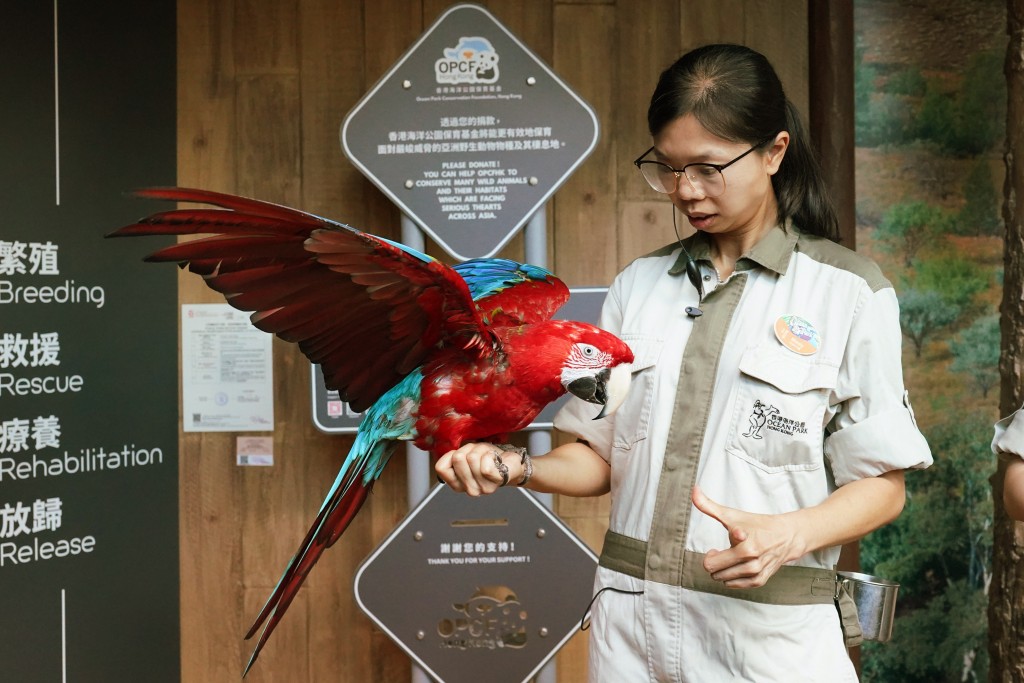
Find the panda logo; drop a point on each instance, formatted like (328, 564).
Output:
(472, 60)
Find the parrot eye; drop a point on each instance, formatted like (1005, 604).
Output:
(588, 350)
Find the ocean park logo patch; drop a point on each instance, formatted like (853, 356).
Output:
(765, 416)
(472, 61)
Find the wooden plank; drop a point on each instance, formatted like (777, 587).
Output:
(268, 155)
(206, 95)
(647, 41)
(391, 27)
(831, 109)
(209, 492)
(331, 82)
(266, 37)
(531, 21)
(584, 208)
(647, 225)
(778, 30)
(283, 658)
(703, 23)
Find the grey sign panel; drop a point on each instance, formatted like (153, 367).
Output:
(478, 589)
(334, 416)
(469, 133)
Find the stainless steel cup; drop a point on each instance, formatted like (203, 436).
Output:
(876, 603)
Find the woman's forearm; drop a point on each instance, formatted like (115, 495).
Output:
(573, 469)
(851, 512)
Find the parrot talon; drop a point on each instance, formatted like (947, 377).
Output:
(502, 467)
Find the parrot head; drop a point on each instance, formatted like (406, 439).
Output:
(596, 369)
(578, 358)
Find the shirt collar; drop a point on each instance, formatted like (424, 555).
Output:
(772, 251)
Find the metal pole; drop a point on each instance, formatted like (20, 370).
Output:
(417, 462)
(539, 441)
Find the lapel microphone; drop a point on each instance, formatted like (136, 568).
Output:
(692, 272)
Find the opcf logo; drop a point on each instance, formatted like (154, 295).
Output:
(473, 60)
(492, 618)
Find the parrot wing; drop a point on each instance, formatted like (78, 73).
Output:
(512, 293)
(367, 309)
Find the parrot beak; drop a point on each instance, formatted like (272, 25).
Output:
(607, 388)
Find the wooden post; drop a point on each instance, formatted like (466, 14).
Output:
(1006, 593)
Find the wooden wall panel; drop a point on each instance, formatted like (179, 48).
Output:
(210, 487)
(263, 88)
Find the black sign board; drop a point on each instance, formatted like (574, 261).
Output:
(334, 416)
(88, 367)
(469, 133)
(478, 589)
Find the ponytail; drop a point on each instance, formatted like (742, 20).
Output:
(799, 186)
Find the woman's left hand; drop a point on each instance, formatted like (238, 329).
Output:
(760, 544)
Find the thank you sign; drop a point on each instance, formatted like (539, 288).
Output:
(478, 589)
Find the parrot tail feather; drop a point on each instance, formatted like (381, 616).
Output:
(334, 517)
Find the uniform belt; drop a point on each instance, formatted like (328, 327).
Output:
(788, 586)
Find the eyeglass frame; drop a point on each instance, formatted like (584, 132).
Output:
(682, 171)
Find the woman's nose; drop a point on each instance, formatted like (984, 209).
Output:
(685, 190)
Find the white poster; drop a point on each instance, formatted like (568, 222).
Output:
(226, 371)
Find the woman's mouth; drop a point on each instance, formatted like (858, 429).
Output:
(701, 221)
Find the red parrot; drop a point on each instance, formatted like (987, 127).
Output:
(433, 354)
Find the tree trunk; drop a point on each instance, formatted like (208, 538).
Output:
(1006, 597)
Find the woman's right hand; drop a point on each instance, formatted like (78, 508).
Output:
(473, 468)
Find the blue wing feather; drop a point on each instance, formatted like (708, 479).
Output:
(511, 293)
(489, 276)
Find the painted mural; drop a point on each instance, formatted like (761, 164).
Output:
(930, 128)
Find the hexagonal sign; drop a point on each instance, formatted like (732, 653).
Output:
(469, 133)
(478, 589)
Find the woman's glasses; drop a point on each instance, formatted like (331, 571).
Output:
(705, 179)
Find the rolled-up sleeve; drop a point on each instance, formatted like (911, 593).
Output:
(577, 417)
(1008, 442)
(874, 430)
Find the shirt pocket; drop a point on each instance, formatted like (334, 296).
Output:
(778, 416)
(634, 415)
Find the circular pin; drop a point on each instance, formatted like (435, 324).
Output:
(797, 334)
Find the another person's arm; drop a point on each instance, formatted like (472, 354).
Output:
(1013, 490)
(1008, 445)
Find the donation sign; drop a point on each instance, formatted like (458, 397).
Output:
(469, 133)
(478, 589)
(88, 381)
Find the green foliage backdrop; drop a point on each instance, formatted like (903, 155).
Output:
(931, 98)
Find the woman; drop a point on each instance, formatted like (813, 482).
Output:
(767, 389)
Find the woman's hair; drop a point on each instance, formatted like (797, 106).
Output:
(735, 94)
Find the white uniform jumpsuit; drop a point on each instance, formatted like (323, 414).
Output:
(788, 385)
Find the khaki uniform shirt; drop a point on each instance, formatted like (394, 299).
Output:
(724, 400)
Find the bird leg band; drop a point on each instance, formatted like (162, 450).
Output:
(524, 460)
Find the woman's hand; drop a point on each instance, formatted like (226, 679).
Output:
(760, 544)
(474, 468)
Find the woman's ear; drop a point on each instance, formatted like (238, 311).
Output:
(775, 154)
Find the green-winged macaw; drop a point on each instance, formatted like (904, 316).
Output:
(433, 354)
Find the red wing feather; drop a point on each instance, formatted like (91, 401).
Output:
(366, 309)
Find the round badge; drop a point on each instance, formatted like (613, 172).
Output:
(797, 335)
